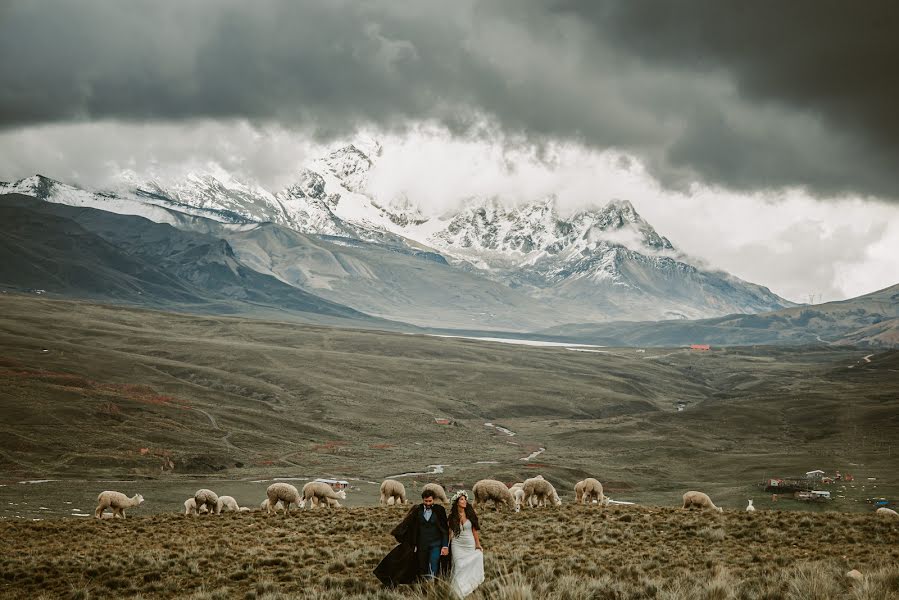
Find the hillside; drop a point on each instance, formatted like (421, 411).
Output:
(270, 398)
(87, 253)
(871, 320)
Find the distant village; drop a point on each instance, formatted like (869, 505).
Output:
(810, 488)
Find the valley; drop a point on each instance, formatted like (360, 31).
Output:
(95, 392)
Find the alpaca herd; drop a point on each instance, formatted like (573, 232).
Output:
(533, 492)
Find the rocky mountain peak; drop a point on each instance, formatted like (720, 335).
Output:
(37, 185)
(619, 222)
(309, 185)
(350, 165)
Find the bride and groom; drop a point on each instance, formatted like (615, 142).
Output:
(432, 545)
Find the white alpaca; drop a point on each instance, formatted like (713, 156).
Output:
(226, 503)
(492, 490)
(117, 501)
(518, 495)
(750, 507)
(539, 492)
(207, 498)
(190, 507)
(699, 499)
(392, 492)
(284, 493)
(278, 505)
(589, 490)
(319, 493)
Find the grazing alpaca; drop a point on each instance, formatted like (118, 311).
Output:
(207, 498)
(117, 501)
(496, 491)
(392, 492)
(539, 492)
(319, 493)
(701, 500)
(589, 490)
(284, 494)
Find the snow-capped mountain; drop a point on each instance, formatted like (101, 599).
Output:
(147, 204)
(527, 234)
(608, 261)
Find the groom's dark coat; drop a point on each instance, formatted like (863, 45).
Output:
(405, 564)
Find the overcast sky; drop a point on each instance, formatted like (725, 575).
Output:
(760, 137)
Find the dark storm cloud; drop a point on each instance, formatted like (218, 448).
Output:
(831, 61)
(686, 89)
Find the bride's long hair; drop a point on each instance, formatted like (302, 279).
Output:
(470, 514)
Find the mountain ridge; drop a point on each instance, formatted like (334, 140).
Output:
(608, 260)
(88, 253)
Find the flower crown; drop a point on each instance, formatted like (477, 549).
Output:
(458, 495)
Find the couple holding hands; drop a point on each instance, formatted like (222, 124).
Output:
(433, 545)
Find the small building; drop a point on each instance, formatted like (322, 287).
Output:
(444, 421)
(700, 347)
(816, 474)
(784, 485)
(812, 496)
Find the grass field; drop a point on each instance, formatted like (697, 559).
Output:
(98, 397)
(567, 552)
(95, 392)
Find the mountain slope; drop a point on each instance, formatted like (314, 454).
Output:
(394, 282)
(595, 265)
(84, 252)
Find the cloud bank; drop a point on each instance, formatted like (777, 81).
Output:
(750, 97)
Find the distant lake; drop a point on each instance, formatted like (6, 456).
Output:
(519, 342)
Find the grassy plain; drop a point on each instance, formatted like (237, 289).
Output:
(569, 552)
(102, 397)
(99, 392)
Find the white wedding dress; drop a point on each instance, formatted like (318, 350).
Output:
(468, 563)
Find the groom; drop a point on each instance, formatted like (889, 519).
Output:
(433, 535)
(423, 537)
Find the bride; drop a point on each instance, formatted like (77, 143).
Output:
(465, 545)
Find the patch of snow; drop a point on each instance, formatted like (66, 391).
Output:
(39, 481)
(534, 454)
(500, 428)
(435, 470)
